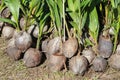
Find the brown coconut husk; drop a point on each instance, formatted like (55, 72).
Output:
(32, 57)
(23, 40)
(99, 64)
(105, 46)
(54, 46)
(89, 54)
(69, 47)
(78, 64)
(7, 32)
(56, 63)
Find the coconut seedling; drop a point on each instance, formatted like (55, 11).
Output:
(70, 46)
(33, 56)
(105, 44)
(56, 60)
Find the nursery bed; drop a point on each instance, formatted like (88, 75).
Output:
(15, 70)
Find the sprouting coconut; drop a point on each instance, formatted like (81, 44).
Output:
(99, 64)
(12, 51)
(5, 13)
(78, 64)
(32, 57)
(54, 46)
(114, 60)
(105, 46)
(7, 32)
(23, 40)
(89, 54)
(70, 47)
(56, 63)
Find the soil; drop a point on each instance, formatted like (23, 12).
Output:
(15, 70)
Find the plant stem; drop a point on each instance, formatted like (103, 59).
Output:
(67, 29)
(64, 19)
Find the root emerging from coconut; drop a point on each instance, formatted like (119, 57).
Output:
(78, 65)
(70, 47)
(32, 57)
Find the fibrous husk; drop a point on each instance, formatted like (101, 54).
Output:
(32, 57)
(78, 64)
(12, 51)
(5, 13)
(114, 60)
(89, 54)
(56, 63)
(44, 47)
(70, 47)
(23, 40)
(99, 64)
(34, 30)
(54, 46)
(105, 46)
(7, 32)
(22, 23)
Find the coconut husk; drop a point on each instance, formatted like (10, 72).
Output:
(69, 47)
(105, 46)
(32, 57)
(99, 64)
(56, 63)
(78, 64)
(23, 40)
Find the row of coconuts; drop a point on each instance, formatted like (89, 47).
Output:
(59, 54)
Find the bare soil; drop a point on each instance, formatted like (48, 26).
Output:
(15, 70)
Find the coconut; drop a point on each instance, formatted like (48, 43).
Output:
(23, 40)
(34, 30)
(99, 64)
(114, 60)
(32, 57)
(7, 32)
(89, 54)
(105, 46)
(12, 51)
(54, 46)
(44, 47)
(56, 63)
(5, 13)
(78, 64)
(118, 49)
(70, 47)
(22, 23)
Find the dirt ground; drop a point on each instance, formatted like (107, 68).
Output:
(15, 70)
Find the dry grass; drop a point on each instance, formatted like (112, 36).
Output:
(15, 70)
